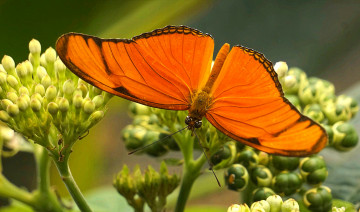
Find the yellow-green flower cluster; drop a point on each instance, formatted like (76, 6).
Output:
(316, 99)
(151, 188)
(45, 102)
(273, 203)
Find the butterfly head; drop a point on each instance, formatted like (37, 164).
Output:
(192, 123)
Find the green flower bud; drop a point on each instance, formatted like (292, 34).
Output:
(248, 158)
(12, 81)
(35, 46)
(43, 60)
(89, 106)
(133, 136)
(4, 116)
(287, 183)
(264, 158)
(326, 98)
(35, 105)
(8, 64)
(3, 77)
(98, 100)
(37, 96)
(46, 81)
(157, 149)
(261, 205)
(314, 112)
(12, 96)
(5, 103)
(308, 94)
(23, 102)
(63, 105)
(329, 132)
(345, 136)
(12, 110)
(318, 199)
(236, 177)
(21, 70)
(313, 170)
(336, 112)
(283, 163)
(262, 193)
(51, 93)
(139, 109)
(2, 69)
(222, 154)
(275, 203)
(77, 101)
(83, 88)
(50, 55)
(68, 87)
(41, 72)
(336, 209)
(261, 176)
(96, 91)
(290, 205)
(294, 99)
(24, 91)
(238, 208)
(295, 77)
(29, 67)
(281, 68)
(348, 102)
(39, 88)
(53, 108)
(96, 116)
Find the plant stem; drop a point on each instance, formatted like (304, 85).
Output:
(191, 171)
(9, 190)
(66, 176)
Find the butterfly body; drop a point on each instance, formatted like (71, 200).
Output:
(171, 68)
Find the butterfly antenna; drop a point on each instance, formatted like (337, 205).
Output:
(210, 164)
(160, 140)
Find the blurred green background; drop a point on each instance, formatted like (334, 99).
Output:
(322, 37)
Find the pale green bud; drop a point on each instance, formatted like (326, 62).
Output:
(21, 70)
(39, 88)
(314, 112)
(13, 110)
(289, 82)
(345, 136)
(23, 103)
(12, 96)
(23, 91)
(4, 116)
(50, 55)
(2, 68)
(96, 116)
(275, 203)
(96, 91)
(35, 105)
(336, 112)
(37, 96)
(262, 206)
(336, 209)
(8, 64)
(34, 46)
(98, 100)
(348, 102)
(68, 87)
(83, 88)
(290, 205)
(41, 72)
(5, 103)
(51, 93)
(59, 66)
(28, 66)
(89, 106)
(63, 105)
(3, 77)
(53, 108)
(43, 60)
(12, 81)
(238, 208)
(46, 81)
(281, 68)
(77, 101)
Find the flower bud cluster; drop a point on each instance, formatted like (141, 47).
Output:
(45, 102)
(273, 203)
(316, 99)
(151, 187)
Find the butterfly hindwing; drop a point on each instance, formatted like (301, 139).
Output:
(159, 69)
(248, 105)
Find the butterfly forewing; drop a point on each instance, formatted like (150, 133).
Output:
(159, 69)
(248, 105)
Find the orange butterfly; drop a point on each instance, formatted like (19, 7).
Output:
(169, 68)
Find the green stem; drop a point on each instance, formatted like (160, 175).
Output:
(44, 196)
(66, 176)
(191, 171)
(9, 190)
